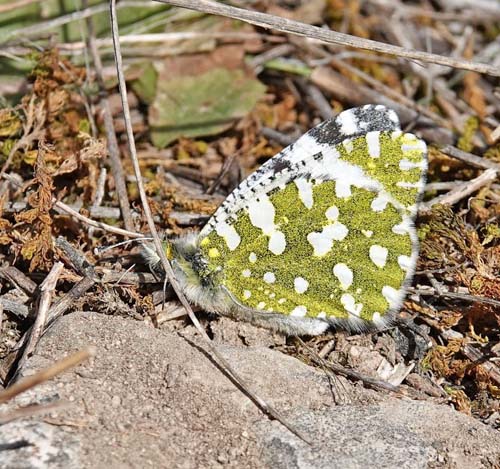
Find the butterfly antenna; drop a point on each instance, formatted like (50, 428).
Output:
(101, 250)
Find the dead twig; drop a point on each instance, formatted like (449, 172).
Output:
(455, 296)
(128, 278)
(57, 310)
(469, 158)
(18, 309)
(332, 37)
(114, 152)
(461, 191)
(270, 411)
(48, 373)
(352, 374)
(67, 209)
(32, 410)
(76, 258)
(478, 358)
(19, 279)
(47, 289)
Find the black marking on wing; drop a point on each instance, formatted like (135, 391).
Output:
(368, 119)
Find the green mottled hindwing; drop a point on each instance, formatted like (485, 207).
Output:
(330, 235)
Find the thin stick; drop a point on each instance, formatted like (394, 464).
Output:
(114, 152)
(332, 37)
(47, 289)
(19, 279)
(462, 191)
(455, 296)
(67, 209)
(167, 37)
(32, 410)
(476, 356)
(352, 374)
(46, 374)
(40, 27)
(158, 245)
(469, 158)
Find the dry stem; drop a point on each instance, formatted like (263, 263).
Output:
(158, 245)
(332, 37)
(46, 374)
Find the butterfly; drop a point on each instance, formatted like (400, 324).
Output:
(320, 235)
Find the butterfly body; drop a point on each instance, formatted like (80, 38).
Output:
(322, 234)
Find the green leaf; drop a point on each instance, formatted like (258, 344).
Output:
(207, 104)
(145, 85)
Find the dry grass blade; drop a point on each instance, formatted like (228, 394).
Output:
(289, 26)
(32, 410)
(114, 151)
(46, 374)
(67, 209)
(47, 289)
(352, 374)
(269, 410)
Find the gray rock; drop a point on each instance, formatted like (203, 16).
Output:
(152, 398)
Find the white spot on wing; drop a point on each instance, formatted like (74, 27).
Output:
(406, 165)
(246, 273)
(300, 284)
(332, 213)
(378, 255)
(373, 142)
(261, 305)
(344, 275)
(269, 277)
(343, 189)
(367, 233)
(406, 263)
(230, 235)
(277, 242)
(305, 192)
(402, 228)
(299, 311)
(409, 185)
(350, 305)
(393, 116)
(321, 315)
(348, 122)
(261, 212)
(323, 242)
(418, 145)
(392, 296)
(348, 145)
(247, 294)
(252, 257)
(380, 202)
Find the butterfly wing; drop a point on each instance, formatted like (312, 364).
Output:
(325, 228)
(284, 166)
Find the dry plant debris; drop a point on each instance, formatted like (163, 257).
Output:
(53, 149)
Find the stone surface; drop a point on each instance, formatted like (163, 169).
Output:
(152, 398)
